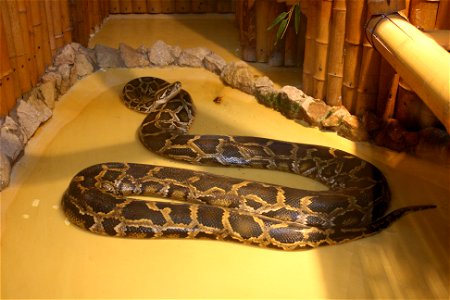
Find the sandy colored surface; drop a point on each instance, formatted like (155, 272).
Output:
(42, 256)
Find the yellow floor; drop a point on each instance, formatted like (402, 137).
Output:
(42, 256)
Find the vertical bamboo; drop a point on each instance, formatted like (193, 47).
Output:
(290, 47)
(247, 32)
(16, 38)
(26, 37)
(114, 6)
(65, 21)
(224, 6)
(182, 6)
(139, 6)
(321, 41)
(37, 35)
(126, 6)
(423, 13)
(443, 15)
(336, 54)
(57, 23)
(352, 48)
(46, 48)
(7, 92)
(262, 22)
(386, 95)
(276, 51)
(168, 6)
(311, 10)
(154, 6)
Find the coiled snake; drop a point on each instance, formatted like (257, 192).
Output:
(99, 198)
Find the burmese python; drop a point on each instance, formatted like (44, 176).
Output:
(212, 206)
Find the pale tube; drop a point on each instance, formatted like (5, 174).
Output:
(417, 58)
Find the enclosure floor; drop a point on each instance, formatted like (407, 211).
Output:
(43, 256)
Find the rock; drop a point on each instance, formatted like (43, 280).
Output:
(238, 75)
(5, 171)
(48, 93)
(12, 138)
(161, 54)
(334, 117)
(65, 55)
(83, 66)
(394, 136)
(370, 121)
(351, 128)
(193, 57)
(107, 57)
(67, 78)
(214, 63)
(132, 58)
(434, 144)
(316, 111)
(27, 116)
(56, 80)
(44, 113)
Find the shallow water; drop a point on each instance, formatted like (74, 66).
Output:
(43, 256)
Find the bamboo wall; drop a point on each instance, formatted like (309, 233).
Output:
(338, 63)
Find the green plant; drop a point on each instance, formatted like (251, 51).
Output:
(283, 20)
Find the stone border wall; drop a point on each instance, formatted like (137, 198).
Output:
(73, 62)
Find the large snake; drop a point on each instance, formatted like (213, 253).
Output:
(203, 205)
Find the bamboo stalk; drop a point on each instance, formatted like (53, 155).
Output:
(224, 6)
(262, 22)
(46, 49)
(139, 6)
(311, 10)
(37, 31)
(384, 98)
(168, 6)
(423, 13)
(154, 6)
(27, 38)
(126, 6)
(417, 58)
(114, 6)
(336, 54)
(443, 15)
(247, 29)
(290, 47)
(275, 51)
(57, 24)
(352, 48)
(7, 91)
(182, 6)
(65, 22)
(321, 46)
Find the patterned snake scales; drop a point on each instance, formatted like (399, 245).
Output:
(204, 205)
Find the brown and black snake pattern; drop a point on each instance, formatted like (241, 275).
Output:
(203, 205)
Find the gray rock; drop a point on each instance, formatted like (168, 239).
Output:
(12, 138)
(132, 58)
(44, 112)
(48, 93)
(68, 78)
(27, 116)
(238, 75)
(65, 55)
(107, 57)
(193, 57)
(335, 116)
(161, 54)
(55, 78)
(83, 65)
(353, 129)
(214, 63)
(5, 171)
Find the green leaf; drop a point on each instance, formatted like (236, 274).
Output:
(282, 29)
(277, 20)
(297, 17)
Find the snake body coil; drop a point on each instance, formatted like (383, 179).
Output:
(99, 198)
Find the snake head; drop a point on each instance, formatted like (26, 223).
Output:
(168, 92)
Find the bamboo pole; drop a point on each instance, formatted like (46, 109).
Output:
(443, 15)
(7, 91)
(336, 54)
(126, 6)
(27, 38)
(262, 22)
(57, 24)
(139, 6)
(37, 35)
(275, 51)
(385, 99)
(114, 6)
(46, 49)
(353, 52)
(418, 59)
(423, 13)
(182, 6)
(168, 6)
(247, 31)
(321, 46)
(224, 6)
(65, 22)
(290, 47)
(154, 6)
(311, 9)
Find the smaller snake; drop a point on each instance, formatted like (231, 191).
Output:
(100, 198)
